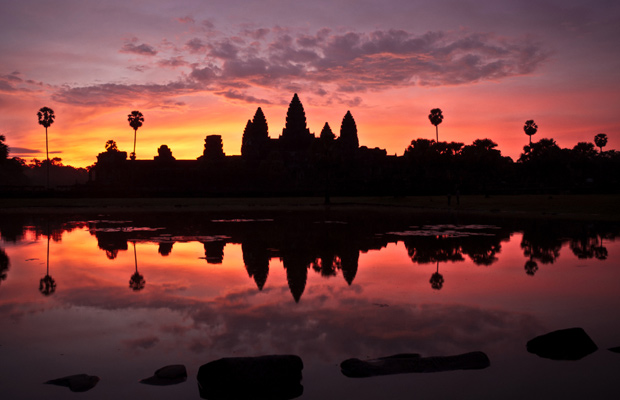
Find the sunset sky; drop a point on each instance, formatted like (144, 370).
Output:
(197, 67)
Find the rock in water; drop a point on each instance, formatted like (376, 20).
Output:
(168, 375)
(615, 349)
(276, 377)
(76, 383)
(412, 363)
(565, 344)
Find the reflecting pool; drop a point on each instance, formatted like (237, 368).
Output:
(120, 296)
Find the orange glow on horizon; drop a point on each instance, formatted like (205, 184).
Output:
(78, 135)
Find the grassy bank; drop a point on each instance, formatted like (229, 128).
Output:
(595, 207)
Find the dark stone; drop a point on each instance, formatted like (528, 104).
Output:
(564, 344)
(76, 383)
(276, 377)
(615, 349)
(168, 375)
(412, 363)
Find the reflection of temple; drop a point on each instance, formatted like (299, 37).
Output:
(214, 251)
(327, 243)
(326, 248)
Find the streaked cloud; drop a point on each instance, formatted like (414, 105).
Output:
(345, 63)
(141, 49)
(113, 94)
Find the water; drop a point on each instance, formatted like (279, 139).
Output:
(133, 293)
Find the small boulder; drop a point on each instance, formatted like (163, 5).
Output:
(615, 349)
(565, 344)
(168, 375)
(412, 363)
(276, 377)
(76, 383)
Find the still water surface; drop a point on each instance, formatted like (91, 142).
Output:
(120, 296)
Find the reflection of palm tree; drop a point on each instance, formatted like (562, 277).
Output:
(137, 282)
(4, 265)
(47, 284)
(437, 279)
(600, 252)
(135, 121)
(46, 118)
(531, 267)
(436, 118)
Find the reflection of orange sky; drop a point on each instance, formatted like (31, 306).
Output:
(76, 262)
(388, 120)
(192, 311)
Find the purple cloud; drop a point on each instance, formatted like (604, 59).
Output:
(236, 95)
(335, 65)
(141, 49)
(196, 45)
(378, 60)
(173, 62)
(117, 94)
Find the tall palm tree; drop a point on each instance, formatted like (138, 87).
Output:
(135, 121)
(530, 128)
(46, 118)
(436, 117)
(600, 140)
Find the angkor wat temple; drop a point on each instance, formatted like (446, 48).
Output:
(297, 163)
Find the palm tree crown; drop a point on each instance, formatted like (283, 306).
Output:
(600, 140)
(135, 121)
(530, 128)
(436, 117)
(46, 116)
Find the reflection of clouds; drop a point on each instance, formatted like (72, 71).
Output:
(324, 325)
(144, 343)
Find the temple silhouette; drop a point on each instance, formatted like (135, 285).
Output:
(300, 163)
(297, 162)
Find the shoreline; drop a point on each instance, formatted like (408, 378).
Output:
(582, 207)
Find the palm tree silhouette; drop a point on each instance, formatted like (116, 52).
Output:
(47, 284)
(530, 128)
(46, 118)
(436, 279)
(136, 282)
(135, 121)
(436, 117)
(531, 267)
(600, 140)
(4, 265)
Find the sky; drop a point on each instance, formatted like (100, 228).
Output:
(196, 68)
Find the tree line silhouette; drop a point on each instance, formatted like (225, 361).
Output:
(306, 242)
(299, 163)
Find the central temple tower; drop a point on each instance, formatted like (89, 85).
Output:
(296, 136)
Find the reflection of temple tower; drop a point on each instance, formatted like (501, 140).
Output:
(296, 275)
(165, 248)
(214, 252)
(256, 260)
(349, 260)
(111, 242)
